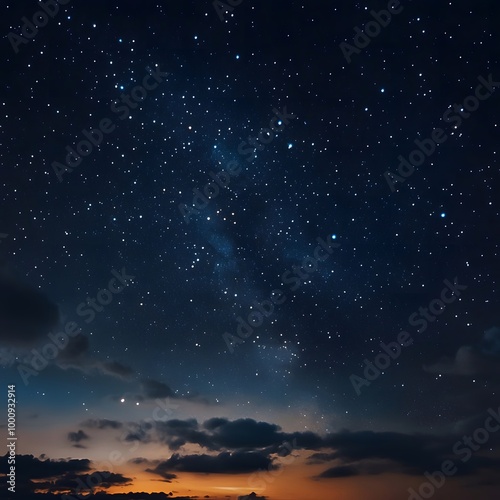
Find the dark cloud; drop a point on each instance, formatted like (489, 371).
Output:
(239, 462)
(369, 453)
(252, 496)
(71, 482)
(27, 466)
(26, 314)
(27, 494)
(176, 433)
(472, 360)
(74, 350)
(244, 433)
(221, 434)
(102, 424)
(363, 452)
(307, 440)
(413, 453)
(139, 432)
(467, 361)
(116, 369)
(76, 437)
(59, 475)
(246, 445)
(168, 477)
(142, 461)
(215, 422)
(319, 458)
(78, 360)
(337, 472)
(153, 389)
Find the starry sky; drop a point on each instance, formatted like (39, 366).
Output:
(248, 251)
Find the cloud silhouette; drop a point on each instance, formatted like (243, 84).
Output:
(76, 437)
(102, 424)
(238, 462)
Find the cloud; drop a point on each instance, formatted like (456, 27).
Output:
(239, 462)
(101, 424)
(319, 458)
(220, 434)
(413, 453)
(340, 471)
(369, 453)
(71, 482)
(26, 314)
(27, 466)
(142, 460)
(153, 389)
(252, 496)
(60, 475)
(77, 359)
(243, 433)
(167, 476)
(245, 445)
(76, 437)
(467, 361)
(472, 360)
(74, 350)
(176, 433)
(116, 369)
(139, 432)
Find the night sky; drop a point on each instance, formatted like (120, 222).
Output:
(248, 251)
